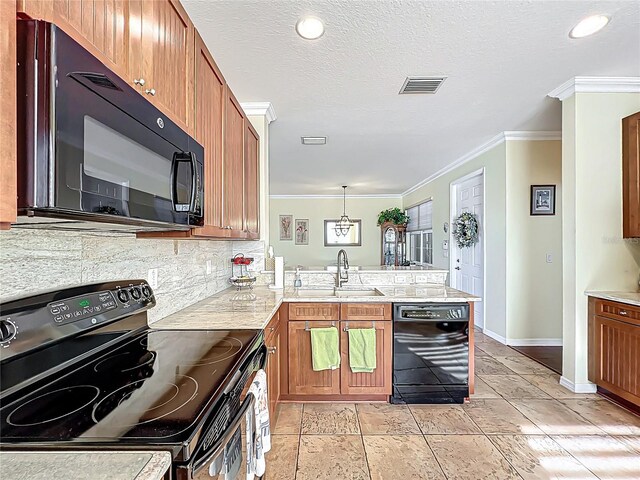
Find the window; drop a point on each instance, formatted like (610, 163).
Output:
(420, 234)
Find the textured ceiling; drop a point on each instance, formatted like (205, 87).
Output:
(502, 58)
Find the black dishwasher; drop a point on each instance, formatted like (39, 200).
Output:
(430, 353)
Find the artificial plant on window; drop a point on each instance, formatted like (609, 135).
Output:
(393, 215)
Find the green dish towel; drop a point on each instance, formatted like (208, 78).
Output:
(325, 348)
(362, 350)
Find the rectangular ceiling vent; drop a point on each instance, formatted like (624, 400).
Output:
(422, 84)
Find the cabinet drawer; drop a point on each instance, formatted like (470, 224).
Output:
(618, 311)
(314, 311)
(272, 327)
(365, 311)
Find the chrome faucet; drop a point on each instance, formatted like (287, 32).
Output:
(343, 273)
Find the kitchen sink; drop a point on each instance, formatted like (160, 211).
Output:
(339, 292)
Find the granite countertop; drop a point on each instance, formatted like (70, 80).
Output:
(630, 298)
(366, 268)
(84, 465)
(252, 309)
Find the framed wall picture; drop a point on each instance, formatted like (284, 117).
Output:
(543, 199)
(302, 231)
(286, 227)
(353, 238)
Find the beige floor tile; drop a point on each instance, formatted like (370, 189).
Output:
(554, 418)
(332, 457)
(386, 419)
(538, 457)
(498, 350)
(479, 352)
(407, 457)
(632, 441)
(470, 457)
(443, 419)
(283, 457)
(328, 418)
(522, 365)
(550, 384)
(289, 418)
(605, 456)
(491, 366)
(609, 417)
(513, 386)
(495, 416)
(483, 390)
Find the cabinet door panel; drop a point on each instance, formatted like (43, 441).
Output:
(631, 175)
(273, 374)
(302, 379)
(380, 380)
(233, 165)
(251, 181)
(209, 118)
(8, 167)
(618, 358)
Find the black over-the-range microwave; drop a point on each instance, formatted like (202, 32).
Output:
(92, 151)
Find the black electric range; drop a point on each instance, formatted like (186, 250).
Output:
(80, 369)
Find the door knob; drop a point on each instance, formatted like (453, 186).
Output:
(150, 91)
(139, 81)
(457, 268)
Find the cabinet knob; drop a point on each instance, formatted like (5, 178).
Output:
(139, 81)
(623, 312)
(150, 91)
(272, 350)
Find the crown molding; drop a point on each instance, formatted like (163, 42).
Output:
(596, 85)
(291, 197)
(260, 108)
(512, 135)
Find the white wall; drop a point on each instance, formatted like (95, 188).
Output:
(319, 209)
(596, 256)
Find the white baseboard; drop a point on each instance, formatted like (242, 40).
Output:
(495, 336)
(578, 387)
(541, 342)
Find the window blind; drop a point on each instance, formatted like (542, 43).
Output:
(420, 217)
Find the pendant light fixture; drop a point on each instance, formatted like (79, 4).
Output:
(343, 226)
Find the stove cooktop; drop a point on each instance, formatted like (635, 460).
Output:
(154, 388)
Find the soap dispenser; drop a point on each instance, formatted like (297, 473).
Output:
(297, 281)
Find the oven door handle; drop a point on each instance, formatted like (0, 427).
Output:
(178, 158)
(218, 448)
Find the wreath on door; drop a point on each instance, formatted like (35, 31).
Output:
(465, 230)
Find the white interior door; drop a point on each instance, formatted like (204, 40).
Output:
(468, 262)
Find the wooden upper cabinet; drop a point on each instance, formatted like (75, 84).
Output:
(251, 181)
(233, 192)
(8, 168)
(209, 118)
(101, 26)
(631, 175)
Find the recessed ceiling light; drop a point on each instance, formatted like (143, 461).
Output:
(310, 28)
(314, 140)
(589, 26)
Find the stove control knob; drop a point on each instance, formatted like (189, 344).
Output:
(7, 331)
(123, 296)
(135, 293)
(146, 291)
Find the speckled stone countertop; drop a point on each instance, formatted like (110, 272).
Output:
(630, 298)
(252, 309)
(367, 268)
(72, 465)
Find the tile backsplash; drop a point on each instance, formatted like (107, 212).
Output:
(34, 261)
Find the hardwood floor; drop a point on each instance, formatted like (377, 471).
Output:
(520, 424)
(550, 357)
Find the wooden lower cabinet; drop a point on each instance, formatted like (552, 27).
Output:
(614, 348)
(302, 379)
(8, 167)
(273, 368)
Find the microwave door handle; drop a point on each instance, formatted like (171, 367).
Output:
(174, 181)
(228, 435)
(179, 157)
(194, 182)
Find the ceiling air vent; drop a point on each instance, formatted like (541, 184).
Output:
(422, 84)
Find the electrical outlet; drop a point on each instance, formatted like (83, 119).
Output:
(422, 279)
(152, 278)
(209, 267)
(549, 258)
(400, 279)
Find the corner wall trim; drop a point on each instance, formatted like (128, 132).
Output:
(596, 85)
(260, 108)
(577, 387)
(538, 342)
(512, 135)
